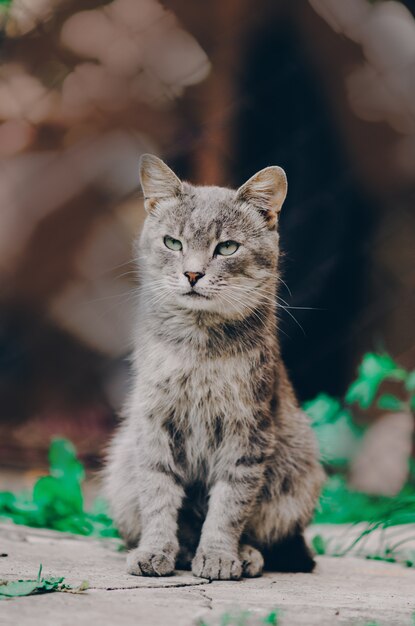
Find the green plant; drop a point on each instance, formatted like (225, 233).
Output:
(336, 431)
(341, 505)
(333, 421)
(373, 371)
(56, 500)
(243, 618)
(18, 588)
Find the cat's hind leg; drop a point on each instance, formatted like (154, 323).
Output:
(283, 512)
(289, 554)
(252, 561)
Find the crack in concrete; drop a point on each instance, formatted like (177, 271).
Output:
(161, 586)
(207, 601)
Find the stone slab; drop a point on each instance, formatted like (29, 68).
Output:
(343, 591)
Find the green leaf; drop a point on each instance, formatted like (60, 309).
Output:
(322, 409)
(57, 497)
(412, 403)
(272, 618)
(376, 365)
(362, 392)
(410, 381)
(389, 402)
(50, 584)
(18, 588)
(337, 440)
(374, 369)
(409, 559)
(319, 544)
(64, 462)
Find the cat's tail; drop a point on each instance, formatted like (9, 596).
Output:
(290, 554)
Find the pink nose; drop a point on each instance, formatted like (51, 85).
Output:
(193, 277)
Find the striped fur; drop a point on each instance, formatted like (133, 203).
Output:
(213, 462)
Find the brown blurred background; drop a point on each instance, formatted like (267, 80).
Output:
(219, 89)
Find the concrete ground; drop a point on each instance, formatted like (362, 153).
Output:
(347, 590)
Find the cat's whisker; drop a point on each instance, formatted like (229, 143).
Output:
(280, 329)
(284, 306)
(154, 294)
(128, 262)
(263, 296)
(274, 297)
(295, 320)
(134, 294)
(111, 297)
(161, 295)
(285, 285)
(247, 306)
(117, 267)
(154, 287)
(133, 271)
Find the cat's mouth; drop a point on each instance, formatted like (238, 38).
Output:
(195, 294)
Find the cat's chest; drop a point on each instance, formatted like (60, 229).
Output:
(195, 387)
(202, 409)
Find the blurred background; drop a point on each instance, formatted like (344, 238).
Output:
(219, 89)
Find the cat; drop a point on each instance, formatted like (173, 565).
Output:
(214, 467)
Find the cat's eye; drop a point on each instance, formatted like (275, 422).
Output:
(226, 248)
(172, 244)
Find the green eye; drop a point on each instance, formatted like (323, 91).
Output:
(226, 248)
(172, 244)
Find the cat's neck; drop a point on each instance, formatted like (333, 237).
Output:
(209, 332)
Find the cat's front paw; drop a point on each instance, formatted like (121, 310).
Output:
(217, 565)
(149, 563)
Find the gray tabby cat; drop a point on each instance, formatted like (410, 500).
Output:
(214, 466)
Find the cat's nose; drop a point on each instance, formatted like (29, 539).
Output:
(193, 277)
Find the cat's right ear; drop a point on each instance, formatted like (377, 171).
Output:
(157, 180)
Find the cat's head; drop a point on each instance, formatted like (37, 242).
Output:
(210, 248)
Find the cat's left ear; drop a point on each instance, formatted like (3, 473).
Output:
(266, 191)
(158, 181)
